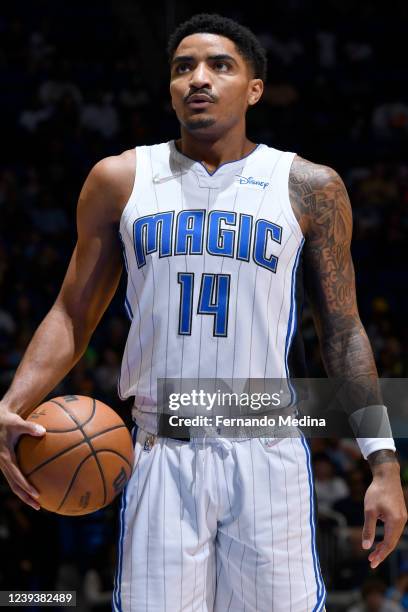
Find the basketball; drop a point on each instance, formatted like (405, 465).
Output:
(83, 461)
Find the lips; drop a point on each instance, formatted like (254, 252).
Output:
(199, 100)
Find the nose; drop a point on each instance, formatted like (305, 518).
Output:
(200, 77)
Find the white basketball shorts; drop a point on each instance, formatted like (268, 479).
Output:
(218, 525)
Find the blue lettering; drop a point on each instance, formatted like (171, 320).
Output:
(250, 180)
(151, 233)
(244, 237)
(154, 233)
(189, 232)
(221, 241)
(263, 229)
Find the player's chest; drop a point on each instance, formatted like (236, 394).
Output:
(184, 218)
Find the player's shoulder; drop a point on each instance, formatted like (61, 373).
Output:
(112, 179)
(115, 169)
(312, 175)
(317, 194)
(109, 185)
(120, 169)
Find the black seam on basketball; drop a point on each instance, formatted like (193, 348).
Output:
(75, 474)
(70, 448)
(110, 450)
(80, 427)
(70, 415)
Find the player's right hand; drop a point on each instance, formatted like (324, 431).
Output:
(12, 426)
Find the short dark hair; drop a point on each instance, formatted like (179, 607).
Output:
(245, 41)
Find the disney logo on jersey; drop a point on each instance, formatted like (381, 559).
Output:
(251, 181)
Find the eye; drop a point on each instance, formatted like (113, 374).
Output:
(221, 66)
(182, 68)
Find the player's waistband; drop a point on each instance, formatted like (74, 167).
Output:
(161, 425)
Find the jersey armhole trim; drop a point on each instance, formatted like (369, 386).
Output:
(287, 209)
(133, 194)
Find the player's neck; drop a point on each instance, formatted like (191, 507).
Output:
(213, 153)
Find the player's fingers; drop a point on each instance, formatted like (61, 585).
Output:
(17, 426)
(15, 478)
(378, 555)
(21, 426)
(392, 532)
(370, 522)
(23, 495)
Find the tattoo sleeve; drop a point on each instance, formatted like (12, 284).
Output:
(321, 205)
(380, 457)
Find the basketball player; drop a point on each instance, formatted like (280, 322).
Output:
(213, 228)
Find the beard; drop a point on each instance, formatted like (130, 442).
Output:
(199, 123)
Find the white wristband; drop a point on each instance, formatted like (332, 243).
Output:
(372, 419)
(370, 445)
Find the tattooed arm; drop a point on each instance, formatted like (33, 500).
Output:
(322, 208)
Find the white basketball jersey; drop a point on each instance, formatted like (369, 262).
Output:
(211, 262)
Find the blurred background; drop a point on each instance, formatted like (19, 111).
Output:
(83, 80)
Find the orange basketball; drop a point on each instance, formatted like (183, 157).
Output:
(83, 461)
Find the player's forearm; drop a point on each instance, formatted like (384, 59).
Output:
(54, 349)
(347, 355)
(384, 464)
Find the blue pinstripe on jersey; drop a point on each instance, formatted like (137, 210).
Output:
(321, 589)
(292, 323)
(128, 309)
(116, 604)
(116, 597)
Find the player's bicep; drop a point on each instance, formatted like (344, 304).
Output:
(329, 270)
(91, 280)
(94, 270)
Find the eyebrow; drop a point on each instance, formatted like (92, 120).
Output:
(189, 58)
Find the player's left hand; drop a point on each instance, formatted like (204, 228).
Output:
(384, 500)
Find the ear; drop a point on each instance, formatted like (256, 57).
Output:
(255, 91)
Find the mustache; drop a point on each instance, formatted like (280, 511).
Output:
(203, 91)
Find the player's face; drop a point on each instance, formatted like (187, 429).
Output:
(211, 84)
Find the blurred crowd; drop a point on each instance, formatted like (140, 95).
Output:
(82, 81)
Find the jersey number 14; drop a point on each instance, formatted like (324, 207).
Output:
(213, 300)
